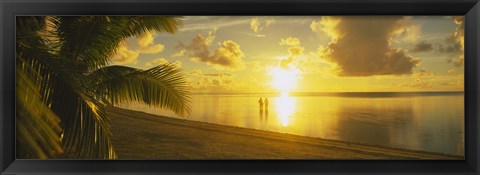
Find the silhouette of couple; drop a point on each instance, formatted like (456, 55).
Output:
(263, 103)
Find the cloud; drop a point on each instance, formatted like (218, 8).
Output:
(254, 35)
(451, 46)
(452, 83)
(294, 50)
(227, 55)
(460, 31)
(269, 22)
(146, 44)
(256, 25)
(290, 41)
(152, 49)
(454, 42)
(199, 46)
(422, 73)
(408, 33)
(195, 23)
(421, 80)
(179, 53)
(459, 81)
(459, 61)
(326, 25)
(156, 62)
(361, 46)
(160, 61)
(212, 82)
(218, 74)
(124, 55)
(146, 39)
(420, 83)
(422, 47)
(196, 72)
(199, 23)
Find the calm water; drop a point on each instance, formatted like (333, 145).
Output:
(420, 121)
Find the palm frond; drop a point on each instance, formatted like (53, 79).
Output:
(137, 25)
(162, 86)
(61, 100)
(61, 87)
(38, 127)
(86, 126)
(30, 23)
(84, 121)
(93, 40)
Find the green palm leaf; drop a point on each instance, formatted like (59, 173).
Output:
(86, 125)
(93, 40)
(38, 127)
(162, 86)
(83, 119)
(63, 86)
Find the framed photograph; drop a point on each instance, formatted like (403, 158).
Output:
(245, 87)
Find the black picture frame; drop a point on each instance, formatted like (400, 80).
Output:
(11, 8)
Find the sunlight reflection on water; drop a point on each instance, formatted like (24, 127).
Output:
(285, 107)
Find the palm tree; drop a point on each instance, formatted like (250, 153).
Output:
(65, 84)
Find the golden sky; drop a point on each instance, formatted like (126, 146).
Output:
(228, 54)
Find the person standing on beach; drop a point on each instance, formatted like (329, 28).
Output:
(266, 103)
(260, 102)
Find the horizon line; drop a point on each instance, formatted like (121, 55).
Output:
(329, 92)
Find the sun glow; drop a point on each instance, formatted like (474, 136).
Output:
(285, 108)
(284, 79)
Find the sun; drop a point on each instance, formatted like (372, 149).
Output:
(284, 79)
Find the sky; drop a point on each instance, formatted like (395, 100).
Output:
(269, 54)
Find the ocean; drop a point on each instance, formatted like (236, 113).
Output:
(427, 121)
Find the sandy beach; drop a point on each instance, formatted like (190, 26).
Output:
(139, 135)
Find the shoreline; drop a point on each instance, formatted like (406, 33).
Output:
(140, 135)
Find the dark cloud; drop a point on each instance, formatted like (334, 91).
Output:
(460, 32)
(454, 42)
(450, 48)
(422, 47)
(199, 46)
(451, 45)
(361, 46)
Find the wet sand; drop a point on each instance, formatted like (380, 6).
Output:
(139, 135)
